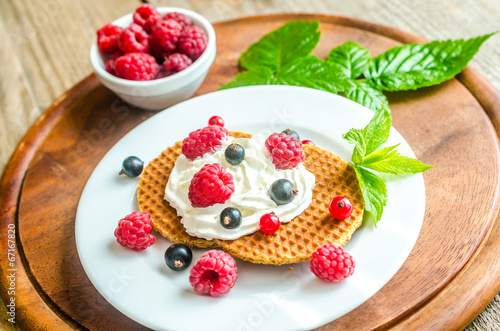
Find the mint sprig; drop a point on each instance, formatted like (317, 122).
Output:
(368, 158)
(283, 57)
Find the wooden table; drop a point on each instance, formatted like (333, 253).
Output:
(45, 52)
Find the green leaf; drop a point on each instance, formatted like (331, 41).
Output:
(377, 130)
(374, 134)
(261, 77)
(356, 137)
(283, 45)
(351, 57)
(314, 73)
(362, 92)
(388, 160)
(374, 192)
(412, 66)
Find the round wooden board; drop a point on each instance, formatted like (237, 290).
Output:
(450, 276)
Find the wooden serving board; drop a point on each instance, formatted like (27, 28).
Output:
(450, 276)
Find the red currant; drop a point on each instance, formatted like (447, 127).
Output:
(269, 223)
(340, 208)
(308, 142)
(216, 120)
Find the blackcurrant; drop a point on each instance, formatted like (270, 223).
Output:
(178, 257)
(230, 218)
(290, 132)
(132, 166)
(235, 154)
(282, 191)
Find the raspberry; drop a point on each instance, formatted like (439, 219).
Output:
(157, 51)
(136, 66)
(206, 140)
(162, 73)
(133, 39)
(210, 185)
(182, 19)
(107, 38)
(110, 66)
(192, 42)
(166, 35)
(215, 273)
(331, 263)
(285, 151)
(134, 231)
(147, 17)
(176, 62)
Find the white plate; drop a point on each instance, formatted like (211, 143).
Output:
(141, 286)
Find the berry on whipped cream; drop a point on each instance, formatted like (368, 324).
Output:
(252, 179)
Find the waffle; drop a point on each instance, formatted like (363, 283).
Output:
(294, 241)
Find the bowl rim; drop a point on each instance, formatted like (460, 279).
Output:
(97, 61)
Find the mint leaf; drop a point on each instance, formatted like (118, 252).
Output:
(377, 130)
(388, 160)
(314, 73)
(351, 58)
(374, 192)
(412, 66)
(371, 137)
(281, 46)
(356, 137)
(247, 78)
(362, 92)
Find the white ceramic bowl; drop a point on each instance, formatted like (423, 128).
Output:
(160, 93)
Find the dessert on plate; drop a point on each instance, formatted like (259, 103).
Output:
(216, 188)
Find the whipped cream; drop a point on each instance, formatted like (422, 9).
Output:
(252, 179)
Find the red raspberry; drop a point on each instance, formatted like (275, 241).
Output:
(192, 42)
(332, 263)
(166, 35)
(182, 19)
(162, 73)
(107, 38)
(210, 185)
(147, 17)
(110, 66)
(136, 66)
(157, 51)
(285, 151)
(134, 231)
(133, 39)
(176, 62)
(215, 273)
(206, 140)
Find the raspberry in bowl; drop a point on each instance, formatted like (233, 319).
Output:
(154, 57)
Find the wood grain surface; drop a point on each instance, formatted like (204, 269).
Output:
(46, 52)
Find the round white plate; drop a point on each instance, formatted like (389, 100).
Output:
(141, 286)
